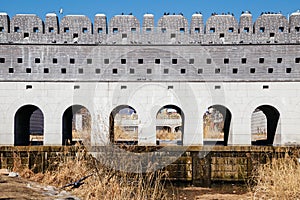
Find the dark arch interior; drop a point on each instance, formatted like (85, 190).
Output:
(29, 126)
(272, 116)
(126, 112)
(166, 133)
(69, 122)
(226, 114)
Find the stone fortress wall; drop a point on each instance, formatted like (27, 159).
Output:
(170, 29)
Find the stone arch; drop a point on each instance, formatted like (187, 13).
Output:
(264, 125)
(28, 126)
(76, 125)
(169, 125)
(123, 125)
(216, 125)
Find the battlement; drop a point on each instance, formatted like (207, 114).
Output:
(170, 29)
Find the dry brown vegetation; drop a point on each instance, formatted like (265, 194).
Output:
(278, 179)
(105, 183)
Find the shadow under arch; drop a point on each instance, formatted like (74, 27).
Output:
(76, 125)
(170, 125)
(216, 125)
(263, 133)
(123, 125)
(28, 126)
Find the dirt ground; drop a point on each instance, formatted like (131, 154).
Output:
(20, 188)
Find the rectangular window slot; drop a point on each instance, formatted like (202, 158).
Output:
(252, 70)
(2, 60)
(123, 87)
(37, 60)
(124, 35)
(226, 60)
(35, 29)
(182, 71)
(11, 70)
(1, 29)
(140, 61)
(170, 87)
(63, 70)
(51, 30)
(235, 70)
(181, 30)
(230, 30)
(75, 35)
(100, 30)
(280, 29)
(288, 70)
(212, 30)
(244, 60)
(115, 30)
(97, 71)
(265, 87)
(163, 30)
(246, 30)
(174, 61)
(28, 70)
(261, 60)
(28, 87)
(84, 30)
(166, 71)
(217, 71)
(157, 61)
(191, 61)
(66, 30)
(89, 61)
(148, 29)
(217, 87)
(54, 60)
(115, 71)
(222, 35)
(270, 70)
(262, 29)
(72, 60)
(76, 87)
(131, 71)
(106, 61)
(297, 28)
(17, 29)
(197, 30)
(46, 70)
(26, 35)
(149, 71)
(173, 35)
(80, 70)
(200, 71)
(297, 60)
(20, 60)
(272, 34)
(133, 29)
(279, 60)
(208, 61)
(123, 61)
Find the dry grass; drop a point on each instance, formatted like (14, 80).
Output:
(278, 179)
(105, 183)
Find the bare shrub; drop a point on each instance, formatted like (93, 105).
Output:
(278, 179)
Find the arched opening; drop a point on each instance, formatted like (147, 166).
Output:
(29, 126)
(169, 126)
(216, 125)
(124, 125)
(76, 125)
(264, 125)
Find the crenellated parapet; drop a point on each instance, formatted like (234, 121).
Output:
(169, 29)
